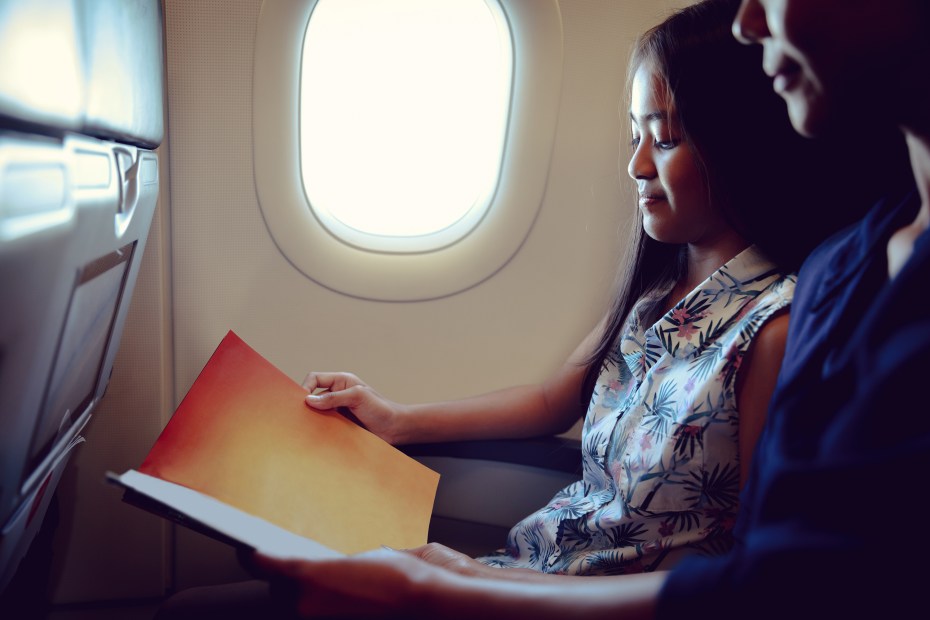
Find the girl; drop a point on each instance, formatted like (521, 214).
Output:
(675, 381)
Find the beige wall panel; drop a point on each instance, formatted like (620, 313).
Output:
(516, 326)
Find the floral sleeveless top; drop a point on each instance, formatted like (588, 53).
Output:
(660, 438)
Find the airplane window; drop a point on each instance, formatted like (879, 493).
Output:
(402, 118)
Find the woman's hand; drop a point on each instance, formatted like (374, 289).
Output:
(455, 561)
(347, 392)
(376, 584)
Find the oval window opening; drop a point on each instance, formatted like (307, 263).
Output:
(403, 114)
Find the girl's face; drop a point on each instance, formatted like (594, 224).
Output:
(672, 192)
(832, 58)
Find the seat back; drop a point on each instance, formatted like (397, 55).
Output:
(81, 110)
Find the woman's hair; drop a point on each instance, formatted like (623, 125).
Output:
(780, 191)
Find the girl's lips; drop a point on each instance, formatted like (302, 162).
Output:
(649, 200)
(785, 81)
(785, 75)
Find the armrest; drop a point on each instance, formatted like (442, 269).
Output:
(485, 487)
(555, 453)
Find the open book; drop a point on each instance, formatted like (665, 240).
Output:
(244, 460)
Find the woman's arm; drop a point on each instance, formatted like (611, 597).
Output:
(390, 584)
(755, 384)
(522, 411)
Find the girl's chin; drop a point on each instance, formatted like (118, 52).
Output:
(806, 112)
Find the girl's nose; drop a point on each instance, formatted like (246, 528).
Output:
(749, 25)
(641, 165)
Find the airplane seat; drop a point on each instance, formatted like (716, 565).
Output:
(487, 487)
(81, 112)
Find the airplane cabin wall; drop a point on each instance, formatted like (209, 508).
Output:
(211, 266)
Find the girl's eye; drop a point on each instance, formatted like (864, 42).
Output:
(666, 145)
(634, 142)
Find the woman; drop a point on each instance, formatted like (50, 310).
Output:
(675, 382)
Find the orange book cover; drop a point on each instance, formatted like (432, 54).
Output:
(244, 436)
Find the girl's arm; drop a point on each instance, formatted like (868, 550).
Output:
(390, 584)
(755, 384)
(522, 411)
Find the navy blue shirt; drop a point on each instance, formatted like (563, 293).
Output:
(833, 518)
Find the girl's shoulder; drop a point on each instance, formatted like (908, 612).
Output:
(773, 299)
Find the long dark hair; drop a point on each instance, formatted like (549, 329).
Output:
(781, 192)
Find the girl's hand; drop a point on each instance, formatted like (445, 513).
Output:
(455, 561)
(348, 393)
(376, 584)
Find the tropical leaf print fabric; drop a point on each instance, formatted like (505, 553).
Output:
(660, 438)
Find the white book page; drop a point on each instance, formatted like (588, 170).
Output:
(263, 536)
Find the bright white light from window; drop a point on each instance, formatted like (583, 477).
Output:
(403, 114)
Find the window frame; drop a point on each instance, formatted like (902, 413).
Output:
(536, 32)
